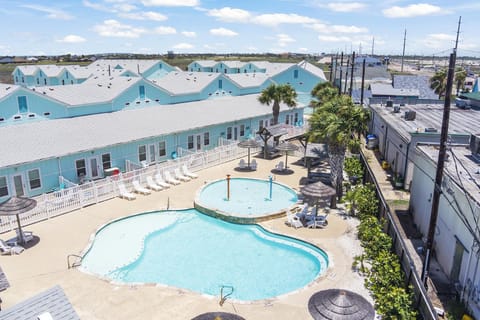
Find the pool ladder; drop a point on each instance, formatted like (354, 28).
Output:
(224, 297)
(77, 261)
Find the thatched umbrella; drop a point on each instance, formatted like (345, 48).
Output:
(249, 143)
(339, 304)
(287, 147)
(218, 316)
(16, 206)
(318, 190)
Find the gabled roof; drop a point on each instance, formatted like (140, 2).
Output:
(53, 301)
(79, 72)
(7, 89)
(179, 83)
(312, 69)
(272, 69)
(421, 83)
(27, 70)
(206, 63)
(52, 70)
(137, 66)
(247, 80)
(233, 63)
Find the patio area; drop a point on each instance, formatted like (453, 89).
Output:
(45, 264)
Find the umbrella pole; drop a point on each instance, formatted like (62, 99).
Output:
(286, 158)
(20, 232)
(248, 157)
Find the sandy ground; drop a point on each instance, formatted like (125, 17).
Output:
(44, 264)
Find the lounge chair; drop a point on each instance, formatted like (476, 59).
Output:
(188, 173)
(140, 189)
(302, 214)
(280, 166)
(124, 193)
(293, 220)
(170, 179)
(27, 235)
(152, 185)
(180, 176)
(317, 221)
(253, 164)
(11, 250)
(160, 181)
(242, 164)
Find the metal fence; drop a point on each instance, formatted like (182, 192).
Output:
(422, 303)
(73, 196)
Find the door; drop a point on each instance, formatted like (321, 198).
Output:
(151, 153)
(198, 144)
(18, 185)
(235, 133)
(457, 261)
(93, 168)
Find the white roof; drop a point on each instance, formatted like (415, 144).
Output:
(272, 69)
(233, 63)
(90, 92)
(206, 63)
(79, 72)
(34, 141)
(179, 83)
(312, 69)
(387, 90)
(51, 70)
(7, 89)
(247, 80)
(28, 70)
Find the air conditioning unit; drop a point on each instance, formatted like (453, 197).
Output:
(396, 109)
(410, 115)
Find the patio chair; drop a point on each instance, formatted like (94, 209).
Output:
(318, 221)
(242, 164)
(253, 164)
(293, 220)
(180, 176)
(188, 173)
(27, 235)
(280, 166)
(160, 181)
(123, 193)
(140, 189)
(170, 179)
(11, 250)
(302, 214)
(152, 185)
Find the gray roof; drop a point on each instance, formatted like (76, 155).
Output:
(133, 65)
(53, 301)
(28, 70)
(421, 83)
(79, 72)
(4, 284)
(34, 141)
(381, 89)
(7, 89)
(247, 80)
(233, 63)
(206, 63)
(51, 70)
(429, 116)
(179, 83)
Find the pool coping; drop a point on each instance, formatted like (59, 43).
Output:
(316, 280)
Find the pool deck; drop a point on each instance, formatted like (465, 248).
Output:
(44, 264)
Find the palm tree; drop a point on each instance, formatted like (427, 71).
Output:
(460, 77)
(336, 121)
(275, 94)
(322, 92)
(439, 82)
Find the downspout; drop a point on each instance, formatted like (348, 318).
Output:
(406, 163)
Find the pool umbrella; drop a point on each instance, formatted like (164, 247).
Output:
(16, 206)
(286, 146)
(339, 304)
(218, 316)
(317, 191)
(249, 143)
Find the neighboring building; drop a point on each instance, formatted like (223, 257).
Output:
(457, 234)
(369, 61)
(473, 97)
(382, 92)
(416, 82)
(401, 128)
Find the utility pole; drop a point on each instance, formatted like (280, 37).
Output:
(341, 72)
(335, 71)
(346, 75)
(363, 81)
(373, 44)
(331, 69)
(403, 53)
(351, 74)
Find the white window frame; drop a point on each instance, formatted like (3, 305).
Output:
(145, 153)
(30, 181)
(160, 148)
(84, 168)
(109, 160)
(6, 186)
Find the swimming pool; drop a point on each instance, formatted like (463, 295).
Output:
(249, 200)
(187, 249)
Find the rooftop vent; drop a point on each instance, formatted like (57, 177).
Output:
(46, 114)
(31, 115)
(396, 109)
(2, 119)
(410, 115)
(17, 117)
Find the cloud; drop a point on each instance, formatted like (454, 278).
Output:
(345, 6)
(148, 15)
(125, 7)
(170, 3)
(96, 6)
(113, 28)
(439, 40)
(275, 19)
(228, 14)
(334, 38)
(302, 50)
(165, 30)
(189, 34)
(71, 38)
(284, 39)
(51, 13)
(223, 32)
(413, 10)
(324, 28)
(183, 45)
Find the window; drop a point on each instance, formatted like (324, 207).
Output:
(81, 167)
(206, 139)
(162, 148)
(34, 179)
(3, 187)
(242, 130)
(16, 79)
(295, 74)
(38, 81)
(190, 142)
(23, 79)
(225, 71)
(287, 119)
(141, 92)
(22, 104)
(296, 117)
(45, 81)
(229, 133)
(106, 162)
(71, 81)
(66, 74)
(63, 82)
(142, 153)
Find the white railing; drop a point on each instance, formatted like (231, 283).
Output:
(75, 196)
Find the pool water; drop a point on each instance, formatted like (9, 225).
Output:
(193, 251)
(248, 197)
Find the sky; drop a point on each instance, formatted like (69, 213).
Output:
(54, 27)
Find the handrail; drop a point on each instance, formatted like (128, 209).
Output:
(74, 264)
(224, 297)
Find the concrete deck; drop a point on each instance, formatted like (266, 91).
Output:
(44, 264)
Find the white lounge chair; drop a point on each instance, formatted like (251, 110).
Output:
(280, 166)
(27, 235)
(293, 220)
(253, 164)
(124, 193)
(11, 250)
(160, 181)
(317, 221)
(188, 173)
(170, 179)
(180, 176)
(152, 185)
(140, 189)
(302, 214)
(242, 164)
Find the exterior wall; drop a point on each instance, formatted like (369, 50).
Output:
(159, 66)
(303, 82)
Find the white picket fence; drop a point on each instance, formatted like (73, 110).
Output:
(74, 197)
